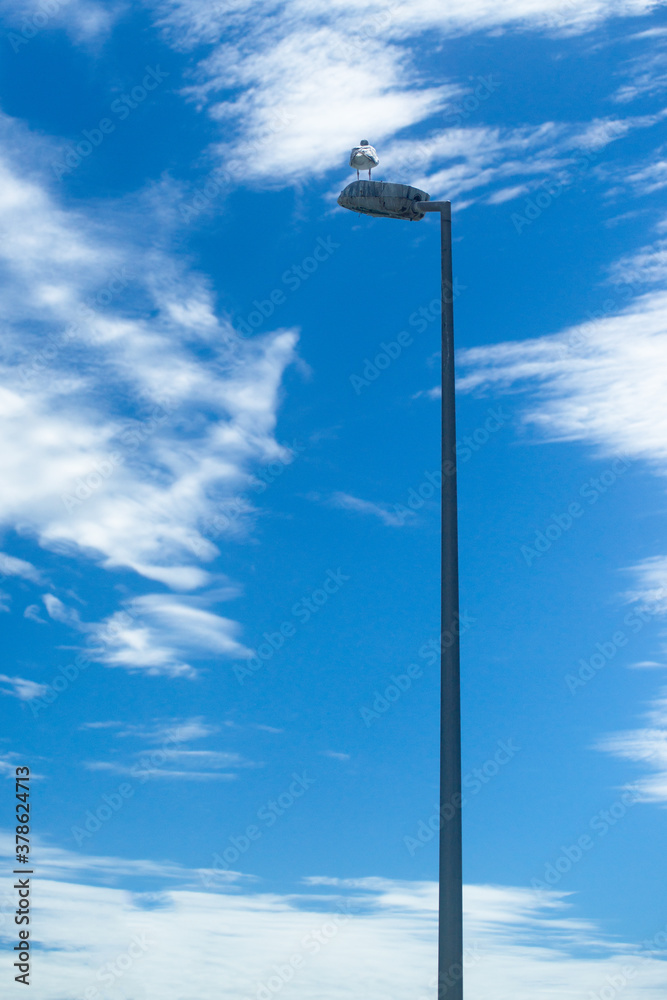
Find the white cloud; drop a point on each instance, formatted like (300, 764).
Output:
(22, 688)
(648, 745)
(155, 633)
(11, 566)
(651, 587)
(373, 936)
(189, 22)
(645, 179)
(303, 84)
(646, 266)
(8, 764)
(32, 613)
(460, 160)
(61, 613)
(98, 460)
(163, 633)
(217, 768)
(85, 21)
(164, 751)
(602, 381)
(434, 393)
(303, 101)
(170, 731)
(507, 194)
(60, 863)
(388, 516)
(647, 73)
(89, 22)
(108, 724)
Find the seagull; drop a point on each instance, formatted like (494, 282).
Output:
(364, 156)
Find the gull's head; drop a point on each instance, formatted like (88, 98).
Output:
(364, 142)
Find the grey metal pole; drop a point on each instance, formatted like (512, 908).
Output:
(402, 201)
(450, 930)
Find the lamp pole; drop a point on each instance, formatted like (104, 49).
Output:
(400, 201)
(450, 923)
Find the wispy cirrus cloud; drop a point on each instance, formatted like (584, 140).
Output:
(11, 566)
(21, 687)
(86, 21)
(294, 87)
(191, 22)
(183, 765)
(162, 750)
(158, 731)
(645, 266)
(321, 93)
(500, 164)
(646, 74)
(383, 511)
(62, 865)
(155, 633)
(647, 746)
(641, 179)
(379, 934)
(100, 460)
(603, 382)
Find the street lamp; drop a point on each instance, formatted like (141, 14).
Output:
(399, 201)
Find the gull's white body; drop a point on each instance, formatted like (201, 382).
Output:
(364, 157)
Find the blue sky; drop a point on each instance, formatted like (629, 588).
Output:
(220, 518)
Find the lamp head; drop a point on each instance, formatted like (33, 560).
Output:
(389, 201)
